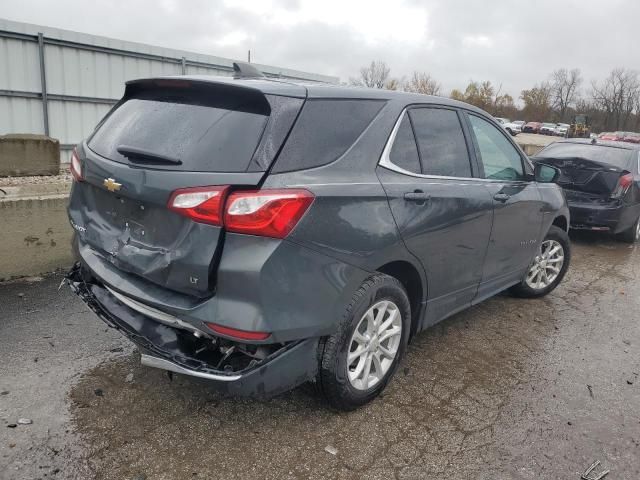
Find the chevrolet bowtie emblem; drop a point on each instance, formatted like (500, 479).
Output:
(111, 184)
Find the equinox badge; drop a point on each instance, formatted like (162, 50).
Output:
(111, 184)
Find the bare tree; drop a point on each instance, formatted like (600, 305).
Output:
(618, 96)
(393, 84)
(537, 102)
(376, 75)
(485, 96)
(564, 86)
(422, 82)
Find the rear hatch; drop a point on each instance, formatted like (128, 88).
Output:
(167, 135)
(589, 173)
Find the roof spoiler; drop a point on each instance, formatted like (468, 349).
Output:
(246, 70)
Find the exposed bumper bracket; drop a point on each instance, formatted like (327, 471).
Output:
(151, 361)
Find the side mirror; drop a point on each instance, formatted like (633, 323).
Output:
(545, 173)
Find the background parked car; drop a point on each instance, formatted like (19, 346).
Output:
(631, 137)
(514, 128)
(601, 181)
(509, 126)
(561, 130)
(612, 136)
(532, 127)
(547, 128)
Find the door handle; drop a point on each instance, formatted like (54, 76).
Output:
(417, 196)
(501, 197)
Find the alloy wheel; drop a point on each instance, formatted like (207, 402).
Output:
(374, 345)
(546, 266)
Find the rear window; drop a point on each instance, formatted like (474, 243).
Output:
(206, 129)
(324, 131)
(618, 157)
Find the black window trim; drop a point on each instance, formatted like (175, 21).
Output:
(527, 168)
(385, 158)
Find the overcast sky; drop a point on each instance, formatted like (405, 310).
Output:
(516, 43)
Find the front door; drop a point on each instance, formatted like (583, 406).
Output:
(517, 216)
(443, 213)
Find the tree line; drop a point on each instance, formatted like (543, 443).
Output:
(612, 103)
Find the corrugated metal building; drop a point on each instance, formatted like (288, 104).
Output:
(61, 83)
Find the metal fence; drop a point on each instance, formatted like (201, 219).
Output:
(61, 83)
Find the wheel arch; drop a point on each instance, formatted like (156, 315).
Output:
(561, 222)
(409, 276)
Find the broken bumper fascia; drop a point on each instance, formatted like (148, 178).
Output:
(595, 217)
(293, 364)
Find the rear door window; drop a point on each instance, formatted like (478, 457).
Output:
(211, 130)
(441, 143)
(500, 159)
(324, 131)
(404, 152)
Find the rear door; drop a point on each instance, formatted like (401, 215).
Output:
(517, 217)
(166, 135)
(442, 211)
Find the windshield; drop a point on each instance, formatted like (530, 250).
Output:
(618, 157)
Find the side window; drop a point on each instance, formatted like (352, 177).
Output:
(404, 152)
(324, 131)
(441, 143)
(499, 157)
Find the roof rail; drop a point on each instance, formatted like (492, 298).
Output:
(246, 70)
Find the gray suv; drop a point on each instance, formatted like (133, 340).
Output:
(262, 234)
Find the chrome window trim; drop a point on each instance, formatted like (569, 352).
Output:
(385, 161)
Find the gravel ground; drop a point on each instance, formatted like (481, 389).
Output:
(509, 389)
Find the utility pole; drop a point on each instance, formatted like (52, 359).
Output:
(248, 56)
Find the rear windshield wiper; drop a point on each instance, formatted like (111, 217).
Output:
(139, 155)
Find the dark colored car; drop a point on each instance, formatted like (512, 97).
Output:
(263, 234)
(601, 181)
(531, 127)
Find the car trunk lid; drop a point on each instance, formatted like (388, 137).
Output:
(214, 134)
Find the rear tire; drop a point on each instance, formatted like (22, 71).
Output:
(338, 378)
(632, 235)
(542, 277)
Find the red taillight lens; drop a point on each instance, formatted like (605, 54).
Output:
(269, 213)
(76, 167)
(624, 182)
(202, 204)
(239, 334)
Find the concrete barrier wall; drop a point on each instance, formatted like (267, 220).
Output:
(35, 236)
(26, 154)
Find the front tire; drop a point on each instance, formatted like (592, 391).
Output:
(548, 267)
(357, 361)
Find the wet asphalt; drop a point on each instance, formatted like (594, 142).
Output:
(509, 389)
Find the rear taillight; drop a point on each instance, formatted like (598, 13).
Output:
(624, 182)
(202, 204)
(76, 167)
(268, 213)
(237, 334)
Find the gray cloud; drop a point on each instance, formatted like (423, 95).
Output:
(512, 43)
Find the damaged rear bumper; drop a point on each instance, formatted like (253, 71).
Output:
(279, 368)
(596, 217)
